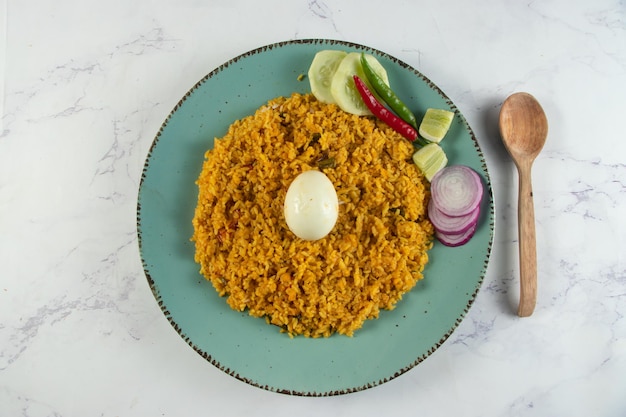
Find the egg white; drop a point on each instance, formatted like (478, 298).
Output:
(311, 205)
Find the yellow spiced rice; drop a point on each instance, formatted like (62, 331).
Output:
(375, 253)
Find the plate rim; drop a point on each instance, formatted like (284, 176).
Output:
(486, 177)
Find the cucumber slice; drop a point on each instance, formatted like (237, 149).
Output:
(435, 124)
(342, 86)
(321, 73)
(430, 159)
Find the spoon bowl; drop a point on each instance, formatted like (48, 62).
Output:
(524, 129)
(523, 126)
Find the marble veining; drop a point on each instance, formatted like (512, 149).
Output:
(85, 87)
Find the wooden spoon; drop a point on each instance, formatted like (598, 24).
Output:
(524, 128)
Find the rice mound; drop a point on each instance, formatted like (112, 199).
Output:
(377, 250)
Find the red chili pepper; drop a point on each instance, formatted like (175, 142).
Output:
(383, 113)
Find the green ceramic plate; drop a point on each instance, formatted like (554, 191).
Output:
(246, 347)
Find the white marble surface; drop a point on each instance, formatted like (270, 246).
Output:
(85, 86)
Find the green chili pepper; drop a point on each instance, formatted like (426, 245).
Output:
(382, 112)
(387, 94)
(386, 115)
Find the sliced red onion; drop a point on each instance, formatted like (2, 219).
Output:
(456, 190)
(451, 225)
(456, 240)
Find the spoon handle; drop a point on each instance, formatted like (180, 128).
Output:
(527, 243)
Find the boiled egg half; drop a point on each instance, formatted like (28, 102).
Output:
(311, 206)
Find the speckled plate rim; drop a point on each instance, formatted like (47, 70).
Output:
(487, 224)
